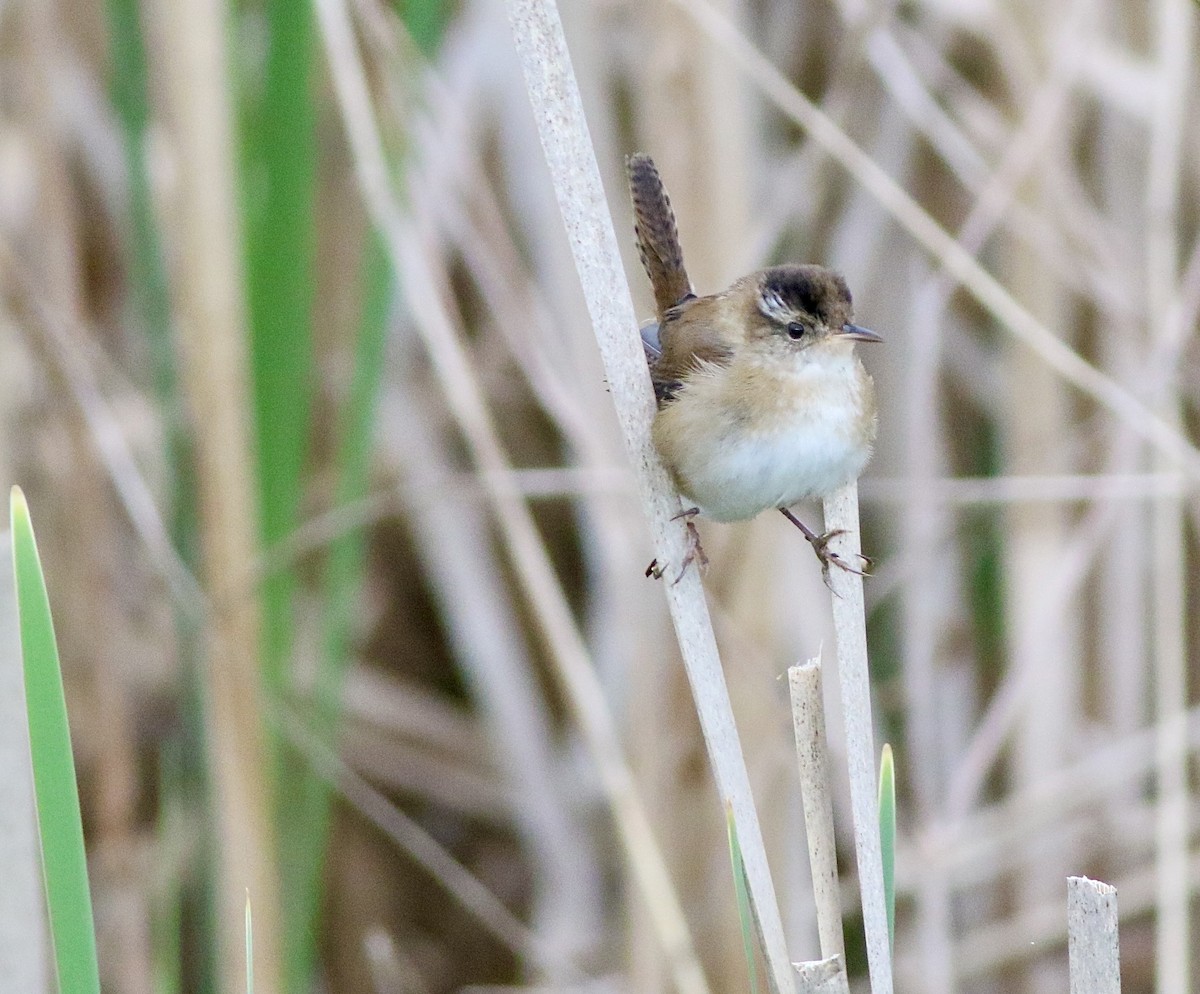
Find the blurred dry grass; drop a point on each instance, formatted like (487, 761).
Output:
(1031, 613)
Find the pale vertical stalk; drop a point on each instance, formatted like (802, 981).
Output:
(850, 632)
(1169, 583)
(1033, 425)
(1034, 538)
(563, 130)
(924, 600)
(816, 792)
(208, 291)
(1123, 657)
(1092, 941)
(1175, 31)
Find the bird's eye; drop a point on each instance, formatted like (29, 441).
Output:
(795, 331)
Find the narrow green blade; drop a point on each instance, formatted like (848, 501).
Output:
(249, 947)
(64, 864)
(742, 888)
(887, 836)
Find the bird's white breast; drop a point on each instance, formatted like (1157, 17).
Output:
(756, 435)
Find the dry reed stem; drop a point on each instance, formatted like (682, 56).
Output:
(816, 792)
(1092, 940)
(926, 607)
(850, 635)
(208, 291)
(827, 976)
(1168, 611)
(518, 532)
(563, 130)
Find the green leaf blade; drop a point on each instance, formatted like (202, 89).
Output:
(64, 861)
(741, 887)
(887, 836)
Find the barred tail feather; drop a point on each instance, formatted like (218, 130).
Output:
(657, 235)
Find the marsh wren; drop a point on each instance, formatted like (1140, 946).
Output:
(761, 399)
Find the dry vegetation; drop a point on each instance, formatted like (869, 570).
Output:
(423, 529)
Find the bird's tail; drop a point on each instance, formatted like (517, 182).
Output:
(657, 235)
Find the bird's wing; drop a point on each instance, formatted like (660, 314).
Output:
(690, 339)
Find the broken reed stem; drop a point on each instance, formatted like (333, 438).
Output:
(826, 976)
(554, 94)
(850, 635)
(812, 758)
(1093, 948)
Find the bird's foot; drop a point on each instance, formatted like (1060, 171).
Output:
(695, 551)
(827, 557)
(820, 545)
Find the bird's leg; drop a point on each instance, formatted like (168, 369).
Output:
(695, 551)
(820, 544)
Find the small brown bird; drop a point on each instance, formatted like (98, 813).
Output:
(761, 399)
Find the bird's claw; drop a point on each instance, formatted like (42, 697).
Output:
(695, 551)
(820, 545)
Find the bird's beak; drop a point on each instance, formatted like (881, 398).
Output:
(858, 334)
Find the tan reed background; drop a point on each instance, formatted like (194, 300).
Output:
(1011, 190)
